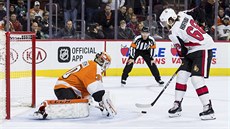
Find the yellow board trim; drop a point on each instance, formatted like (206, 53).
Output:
(114, 72)
(164, 72)
(135, 72)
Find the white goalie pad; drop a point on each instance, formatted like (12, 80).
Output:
(109, 108)
(76, 110)
(67, 108)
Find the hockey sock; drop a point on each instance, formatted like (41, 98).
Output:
(201, 89)
(181, 87)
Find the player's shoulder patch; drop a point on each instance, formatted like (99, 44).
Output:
(85, 63)
(184, 23)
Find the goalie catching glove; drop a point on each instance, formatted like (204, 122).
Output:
(105, 103)
(107, 107)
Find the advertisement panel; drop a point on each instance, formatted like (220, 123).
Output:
(20, 56)
(66, 54)
(166, 58)
(55, 57)
(52, 57)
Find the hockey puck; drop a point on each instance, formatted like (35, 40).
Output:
(144, 112)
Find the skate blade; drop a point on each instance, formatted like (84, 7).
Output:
(177, 114)
(122, 85)
(160, 85)
(208, 117)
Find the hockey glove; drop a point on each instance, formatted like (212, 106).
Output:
(107, 107)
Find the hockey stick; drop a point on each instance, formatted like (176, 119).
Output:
(151, 104)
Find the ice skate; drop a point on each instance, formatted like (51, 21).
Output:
(160, 82)
(40, 114)
(123, 83)
(208, 113)
(175, 111)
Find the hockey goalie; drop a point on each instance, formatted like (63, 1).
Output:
(75, 88)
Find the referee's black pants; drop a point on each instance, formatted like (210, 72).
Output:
(146, 56)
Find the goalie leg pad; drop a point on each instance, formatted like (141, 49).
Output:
(76, 108)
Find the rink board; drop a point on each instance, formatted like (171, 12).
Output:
(54, 57)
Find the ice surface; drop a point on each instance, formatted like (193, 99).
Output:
(138, 90)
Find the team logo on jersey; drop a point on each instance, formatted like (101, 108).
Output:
(196, 69)
(124, 50)
(63, 54)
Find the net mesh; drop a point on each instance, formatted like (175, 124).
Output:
(21, 69)
(2, 76)
(20, 72)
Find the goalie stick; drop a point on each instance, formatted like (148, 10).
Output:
(167, 84)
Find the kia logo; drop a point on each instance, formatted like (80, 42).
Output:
(40, 55)
(13, 56)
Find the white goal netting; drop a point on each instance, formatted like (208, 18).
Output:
(2, 76)
(18, 75)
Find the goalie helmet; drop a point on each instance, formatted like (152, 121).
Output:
(166, 15)
(103, 59)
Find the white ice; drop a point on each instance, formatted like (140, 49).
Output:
(138, 90)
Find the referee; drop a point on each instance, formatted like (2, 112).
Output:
(143, 45)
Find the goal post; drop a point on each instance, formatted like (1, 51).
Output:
(19, 77)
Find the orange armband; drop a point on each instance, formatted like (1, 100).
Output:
(133, 45)
(153, 46)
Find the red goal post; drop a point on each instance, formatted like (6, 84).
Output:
(20, 77)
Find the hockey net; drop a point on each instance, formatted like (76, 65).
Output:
(17, 72)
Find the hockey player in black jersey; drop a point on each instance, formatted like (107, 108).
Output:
(143, 45)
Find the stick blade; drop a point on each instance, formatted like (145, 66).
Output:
(138, 105)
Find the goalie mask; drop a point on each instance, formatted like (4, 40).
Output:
(103, 59)
(168, 17)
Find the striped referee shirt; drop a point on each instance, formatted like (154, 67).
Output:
(140, 44)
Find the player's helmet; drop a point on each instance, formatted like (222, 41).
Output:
(103, 59)
(166, 15)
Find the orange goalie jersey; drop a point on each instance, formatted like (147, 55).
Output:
(79, 77)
